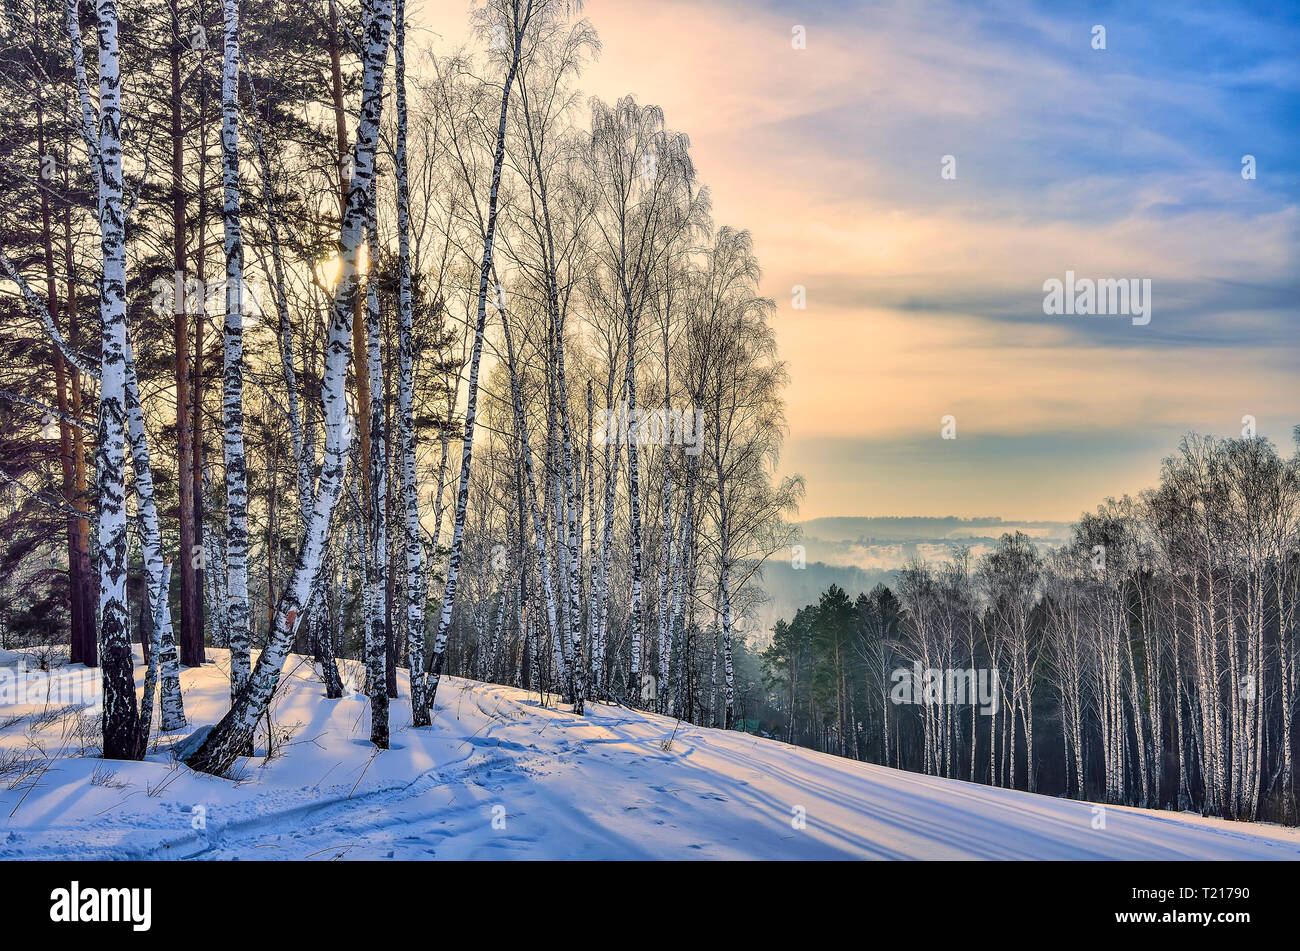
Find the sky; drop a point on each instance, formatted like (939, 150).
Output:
(924, 294)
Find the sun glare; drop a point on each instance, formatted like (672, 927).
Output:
(327, 271)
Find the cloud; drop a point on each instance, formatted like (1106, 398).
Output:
(925, 295)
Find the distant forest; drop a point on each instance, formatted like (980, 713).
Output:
(1151, 661)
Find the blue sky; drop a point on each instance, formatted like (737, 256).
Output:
(924, 295)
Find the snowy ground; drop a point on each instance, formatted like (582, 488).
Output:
(500, 776)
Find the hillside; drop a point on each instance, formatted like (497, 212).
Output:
(499, 775)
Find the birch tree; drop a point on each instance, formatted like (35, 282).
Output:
(215, 751)
(738, 380)
(232, 395)
(640, 174)
(120, 715)
(509, 19)
(414, 550)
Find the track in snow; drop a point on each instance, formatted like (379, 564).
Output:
(500, 776)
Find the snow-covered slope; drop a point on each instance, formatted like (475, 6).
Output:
(499, 775)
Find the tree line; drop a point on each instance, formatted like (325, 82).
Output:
(1151, 661)
(370, 352)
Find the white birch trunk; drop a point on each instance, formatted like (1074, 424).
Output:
(451, 588)
(665, 558)
(377, 556)
(539, 529)
(724, 608)
(415, 578)
(167, 658)
(634, 496)
(300, 438)
(217, 750)
(232, 394)
(120, 716)
(162, 627)
(570, 560)
(679, 585)
(606, 551)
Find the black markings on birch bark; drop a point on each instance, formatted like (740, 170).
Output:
(222, 745)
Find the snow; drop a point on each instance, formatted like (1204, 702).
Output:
(499, 775)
